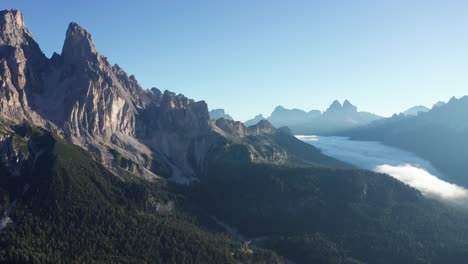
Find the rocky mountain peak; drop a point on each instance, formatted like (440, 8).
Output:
(262, 127)
(278, 109)
(265, 125)
(348, 107)
(78, 45)
(21, 66)
(12, 28)
(11, 17)
(334, 107)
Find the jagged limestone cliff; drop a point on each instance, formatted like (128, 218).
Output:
(79, 95)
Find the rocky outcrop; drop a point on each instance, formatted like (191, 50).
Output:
(254, 120)
(219, 113)
(22, 66)
(261, 128)
(80, 96)
(90, 102)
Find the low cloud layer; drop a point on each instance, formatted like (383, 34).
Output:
(402, 165)
(425, 182)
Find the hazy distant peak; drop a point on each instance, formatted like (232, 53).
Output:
(415, 110)
(348, 107)
(219, 113)
(334, 107)
(336, 103)
(438, 104)
(314, 112)
(453, 100)
(337, 107)
(279, 108)
(254, 120)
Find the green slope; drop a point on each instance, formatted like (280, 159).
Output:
(75, 211)
(322, 215)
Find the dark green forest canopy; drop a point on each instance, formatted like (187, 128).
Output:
(75, 211)
(348, 214)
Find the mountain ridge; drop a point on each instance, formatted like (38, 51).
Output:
(336, 118)
(443, 128)
(79, 95)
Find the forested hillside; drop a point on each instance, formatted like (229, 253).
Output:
(74, 211)
(322, 215)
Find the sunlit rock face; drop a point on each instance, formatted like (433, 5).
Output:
(22, 66)
(90, 102)
(83, 98)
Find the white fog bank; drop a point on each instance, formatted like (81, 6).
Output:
(402, 165)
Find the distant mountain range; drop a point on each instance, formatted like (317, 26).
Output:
(439, 135)
(336, 118)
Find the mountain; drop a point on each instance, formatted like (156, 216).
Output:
(97, 106)
(440, 103)
(415, 110)
(323, 215)
(65, 200)
(438, 135)
(219, 113)
(254, 120)
(336, 118)
(94, 168)
(88, 102)
(287, 117)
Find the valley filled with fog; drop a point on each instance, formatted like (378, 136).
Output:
(402, 165)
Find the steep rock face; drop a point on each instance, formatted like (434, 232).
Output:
(177, 130)
(82, 97)
(234, 129)
(91, 103)
(91, 93)
(261, 128)
(22, 65)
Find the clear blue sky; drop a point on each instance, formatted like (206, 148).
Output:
(248, 56)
